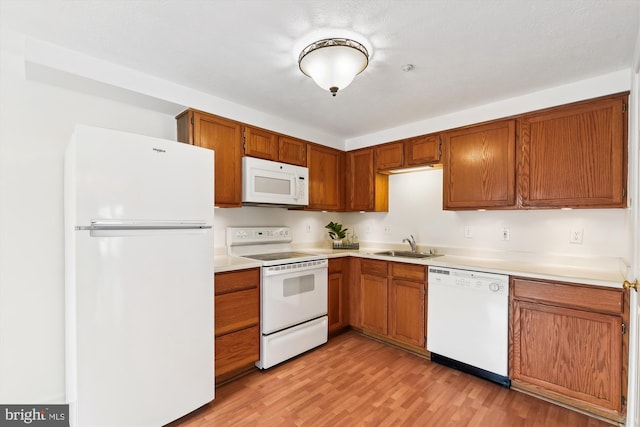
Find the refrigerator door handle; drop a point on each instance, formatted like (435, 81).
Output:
(142, 227)
(117, 225)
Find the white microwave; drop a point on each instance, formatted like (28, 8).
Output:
(265, 182)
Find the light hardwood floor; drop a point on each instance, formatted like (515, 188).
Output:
(356, 381)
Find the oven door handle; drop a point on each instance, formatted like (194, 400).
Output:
(297, 267)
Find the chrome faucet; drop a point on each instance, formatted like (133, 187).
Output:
(411, 242)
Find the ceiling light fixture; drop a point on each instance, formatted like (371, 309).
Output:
(333, 63)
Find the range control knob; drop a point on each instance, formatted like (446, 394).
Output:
(494, 287)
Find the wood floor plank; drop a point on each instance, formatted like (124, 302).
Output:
(357, 381)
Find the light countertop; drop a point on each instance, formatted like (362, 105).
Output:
(598, 271)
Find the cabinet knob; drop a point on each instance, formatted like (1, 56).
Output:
(630, 285)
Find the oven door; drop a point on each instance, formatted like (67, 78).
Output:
(292, 294)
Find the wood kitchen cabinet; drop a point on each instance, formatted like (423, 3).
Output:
(272, 146)
(292, 151)
(568, 343)
(225, 138)
(237, 322)
(260, 143)
(407, 303)
(392, 300)
(326, 178)
(575, 155)
(479, 166)
(338, 294)
(373, 296)
(411, 152)
(366, 190)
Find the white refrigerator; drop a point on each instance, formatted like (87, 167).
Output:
(139, 278)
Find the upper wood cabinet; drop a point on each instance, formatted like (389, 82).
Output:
(389, 156)
(412, 152)
(575, 155)
(260, 143)
(422, 150)
(225, 138)
(326, 178)
(366, 190)
(291, 150)
(479, 166)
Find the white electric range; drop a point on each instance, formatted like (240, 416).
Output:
(293, 292)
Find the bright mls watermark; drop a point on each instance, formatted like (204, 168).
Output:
(34, 415)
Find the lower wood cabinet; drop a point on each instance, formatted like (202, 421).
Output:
(338, 294)
(568, 343)
(407, 303)
(237, 322)
(373, 296)
(392, 302)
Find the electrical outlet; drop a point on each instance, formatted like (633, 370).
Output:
(308, 228)
(576, 236)
(367, 228)
(468, 232)
(387, 229)
(506, 233)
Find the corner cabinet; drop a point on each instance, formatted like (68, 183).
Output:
(575, 155)
(326, 178)
(225, 138)
(237, 322)
(366, 189)
(479, 166)
(568, 343)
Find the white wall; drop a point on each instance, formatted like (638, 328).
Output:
(36, 123)
(415, 207)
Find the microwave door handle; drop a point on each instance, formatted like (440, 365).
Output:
(297, 189)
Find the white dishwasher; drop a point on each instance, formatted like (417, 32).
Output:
(467, 315)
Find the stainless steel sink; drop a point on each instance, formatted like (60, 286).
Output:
(406, 254)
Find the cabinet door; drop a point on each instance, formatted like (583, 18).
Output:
(236, 351)
(260, 143)
(422, 150)
(479, 166)
(573, 353)
(360, 180)
(291, 150)
(373, 296)
(389, 156)
(366, 189)
(407, 312)
(575, 156)
(336, 302)
(225, 138)
(326, 178)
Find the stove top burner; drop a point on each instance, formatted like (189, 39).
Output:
(278, 256)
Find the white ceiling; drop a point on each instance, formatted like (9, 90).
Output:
(465, 52)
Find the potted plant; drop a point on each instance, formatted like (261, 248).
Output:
(336, 232)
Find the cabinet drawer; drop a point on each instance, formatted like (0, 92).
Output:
(604, 300)
(237, 350)
(408, 271)
(237, 310)
(236, 280)
(335, 265)
(373, 267)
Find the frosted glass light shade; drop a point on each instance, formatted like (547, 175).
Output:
(333, 63)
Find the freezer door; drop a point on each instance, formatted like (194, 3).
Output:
(140, 326)
(112, 175)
